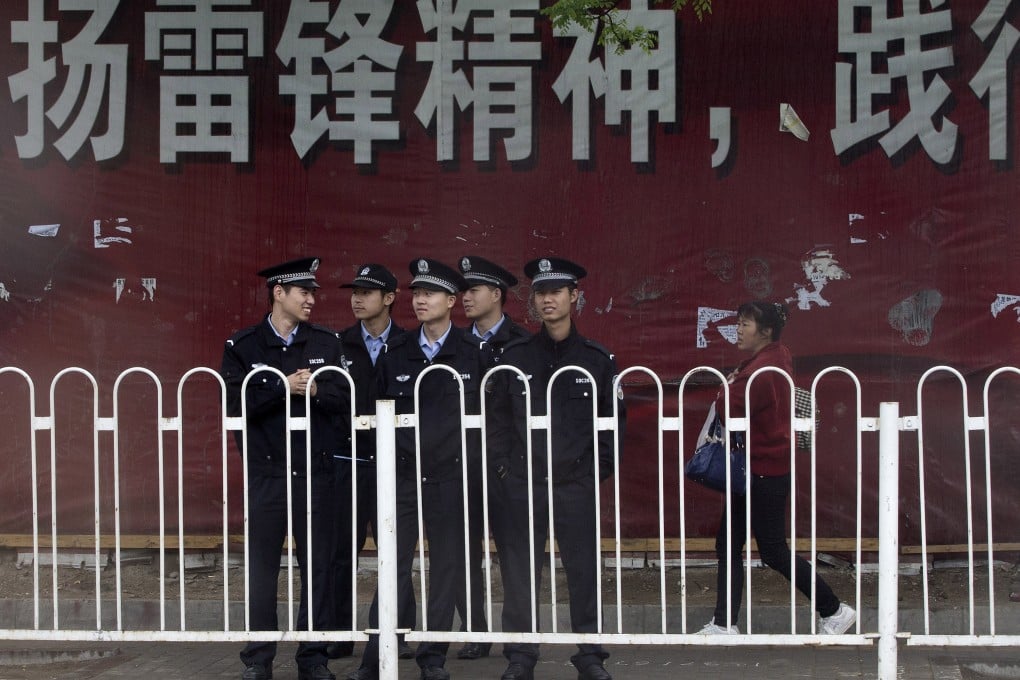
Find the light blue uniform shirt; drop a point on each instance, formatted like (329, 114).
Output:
(431, 350)
(489, 333)
(286, 340)
(375, 344)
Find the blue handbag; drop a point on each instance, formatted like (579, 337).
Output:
(708, 464)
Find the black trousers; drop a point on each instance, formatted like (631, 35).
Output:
(574, 524)
(344, 564)
(267, 530)
(443, 517)
(768, 524)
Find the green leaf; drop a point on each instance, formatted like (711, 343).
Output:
(602, 17)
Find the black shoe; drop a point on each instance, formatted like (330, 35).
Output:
(517, 671)
(365, 673)
(594, 672)
(339, 650)
(319, 672)
(404, 650)
(474, 650)
(434, 673)
(257, 671)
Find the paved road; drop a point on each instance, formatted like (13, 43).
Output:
(193, 661)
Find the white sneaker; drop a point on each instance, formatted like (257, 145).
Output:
(838, 623)
(711, 628)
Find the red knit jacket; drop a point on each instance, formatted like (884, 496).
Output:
(769, 409)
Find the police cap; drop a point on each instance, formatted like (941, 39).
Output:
(553, 272)
(295, 272)
(434, 275)
(479, 270)
(373, 277)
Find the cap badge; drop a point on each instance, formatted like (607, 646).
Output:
(545, 266)
(315, 265)
(364, 272)
(423, 267)
(465, 264)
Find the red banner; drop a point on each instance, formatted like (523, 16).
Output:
(853, 158)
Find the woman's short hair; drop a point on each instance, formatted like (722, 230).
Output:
(766, 315)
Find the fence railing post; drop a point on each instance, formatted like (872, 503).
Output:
(888, 537)
(386, 538)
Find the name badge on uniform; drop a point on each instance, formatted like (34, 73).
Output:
(316, 362)
(465, 376)
(258, 365)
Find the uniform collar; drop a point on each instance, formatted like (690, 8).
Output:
(561, 346)
(273, 335)
(491, 333)
(366, 336)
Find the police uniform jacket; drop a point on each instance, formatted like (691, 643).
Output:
(313, 347)
(507, 333)
(573, 443)
(439, 399)
(363, 372)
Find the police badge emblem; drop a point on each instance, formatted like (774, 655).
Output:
(423, 267)
(364, 272)
(545, 266)
(465, 264)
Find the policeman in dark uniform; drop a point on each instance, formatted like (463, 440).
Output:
(488, 285)
(574, 451)
(435, 341)
(286, 341)
(373, 292)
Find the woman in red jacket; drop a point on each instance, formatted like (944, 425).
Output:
(759, 327)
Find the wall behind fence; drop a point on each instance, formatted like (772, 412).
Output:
(893, 239)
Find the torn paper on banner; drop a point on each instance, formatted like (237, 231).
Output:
(914, 316)
(44, 230)
(119, 224)
(789, 121)
(820, 268)
(708, 316)
(1004, 302)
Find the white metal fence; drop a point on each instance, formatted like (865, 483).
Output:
(673, 625)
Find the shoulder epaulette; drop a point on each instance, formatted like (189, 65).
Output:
(244, 332)
(471, 339)
(324, 329)
(396, 341)
(519, 331)
(515, 342)
(595, 345)
(351, 333)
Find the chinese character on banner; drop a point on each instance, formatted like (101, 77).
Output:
(580, 74)
(361, 68)
(915, 64)
(96, 74)
(200, 112)
(501, 96)
(992, 80)
(635, 81)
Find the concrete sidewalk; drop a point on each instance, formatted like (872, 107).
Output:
(194, 661)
